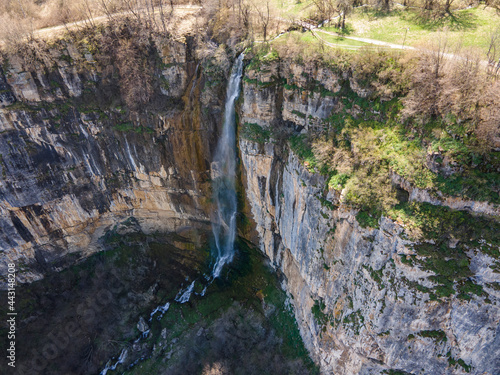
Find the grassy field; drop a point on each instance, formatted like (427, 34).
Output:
(293, 8)
(468, 28)
(341, 41)
(471, 27)
(310, 39)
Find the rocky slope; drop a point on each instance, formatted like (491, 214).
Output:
(363, 301)
(75, 161)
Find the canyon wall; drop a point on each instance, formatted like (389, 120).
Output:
(362, 306)
(75, 161)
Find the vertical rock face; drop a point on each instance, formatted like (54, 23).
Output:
(361, 307)
(71, 168)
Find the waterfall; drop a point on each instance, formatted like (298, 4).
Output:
(224, 173)
(224, 216)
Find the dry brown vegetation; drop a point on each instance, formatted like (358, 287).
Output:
(19, 19)
(44, 13)
(455, 84)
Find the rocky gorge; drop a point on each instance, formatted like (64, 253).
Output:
(370, 295)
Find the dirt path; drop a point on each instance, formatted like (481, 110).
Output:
(316, 31)
(366, 40)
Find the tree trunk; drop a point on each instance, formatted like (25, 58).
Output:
(448, 6)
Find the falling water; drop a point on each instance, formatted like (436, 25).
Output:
(224, 167)
(224, 221)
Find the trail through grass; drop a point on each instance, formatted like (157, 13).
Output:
(471, 27)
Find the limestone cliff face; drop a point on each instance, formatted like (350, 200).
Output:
(71, 168)
(361, 309)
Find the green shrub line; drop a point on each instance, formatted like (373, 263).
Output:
(320, 317)
(255, 133)
(398, 144)
(298, 113)
(436, 335)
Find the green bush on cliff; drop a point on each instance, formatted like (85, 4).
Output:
(338, 180)
(437, 335)
(370, 190)
(380, 122)
(262, 55)
(301, 146)
(320, 317)
(255, 133)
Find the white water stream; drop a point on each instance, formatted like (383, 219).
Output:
(224, 171)
(224, 224)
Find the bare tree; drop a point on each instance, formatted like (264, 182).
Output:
(344, 7)
(462, 85)
(133, 7)
(264, 17)
(162, 16)
(88, 12)
(135, 78)
(493, 53)
(447, 6)
(489, 126)
(325, 9)
(423, 99)
(106, 9)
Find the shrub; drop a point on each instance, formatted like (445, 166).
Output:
(255, 133)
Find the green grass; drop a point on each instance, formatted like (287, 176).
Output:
(340, 41)
(309, 39)
(471, 27)
(293, 9)
(262, 56)
(301, 146)
(255, 133)
(392, 144)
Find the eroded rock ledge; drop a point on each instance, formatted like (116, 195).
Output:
(367, 300)
(76, 161)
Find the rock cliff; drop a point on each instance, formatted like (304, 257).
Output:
(75, 161)
(363, 303)
(370, 298)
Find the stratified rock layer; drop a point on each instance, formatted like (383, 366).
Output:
(72, 168)
(360, 308)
